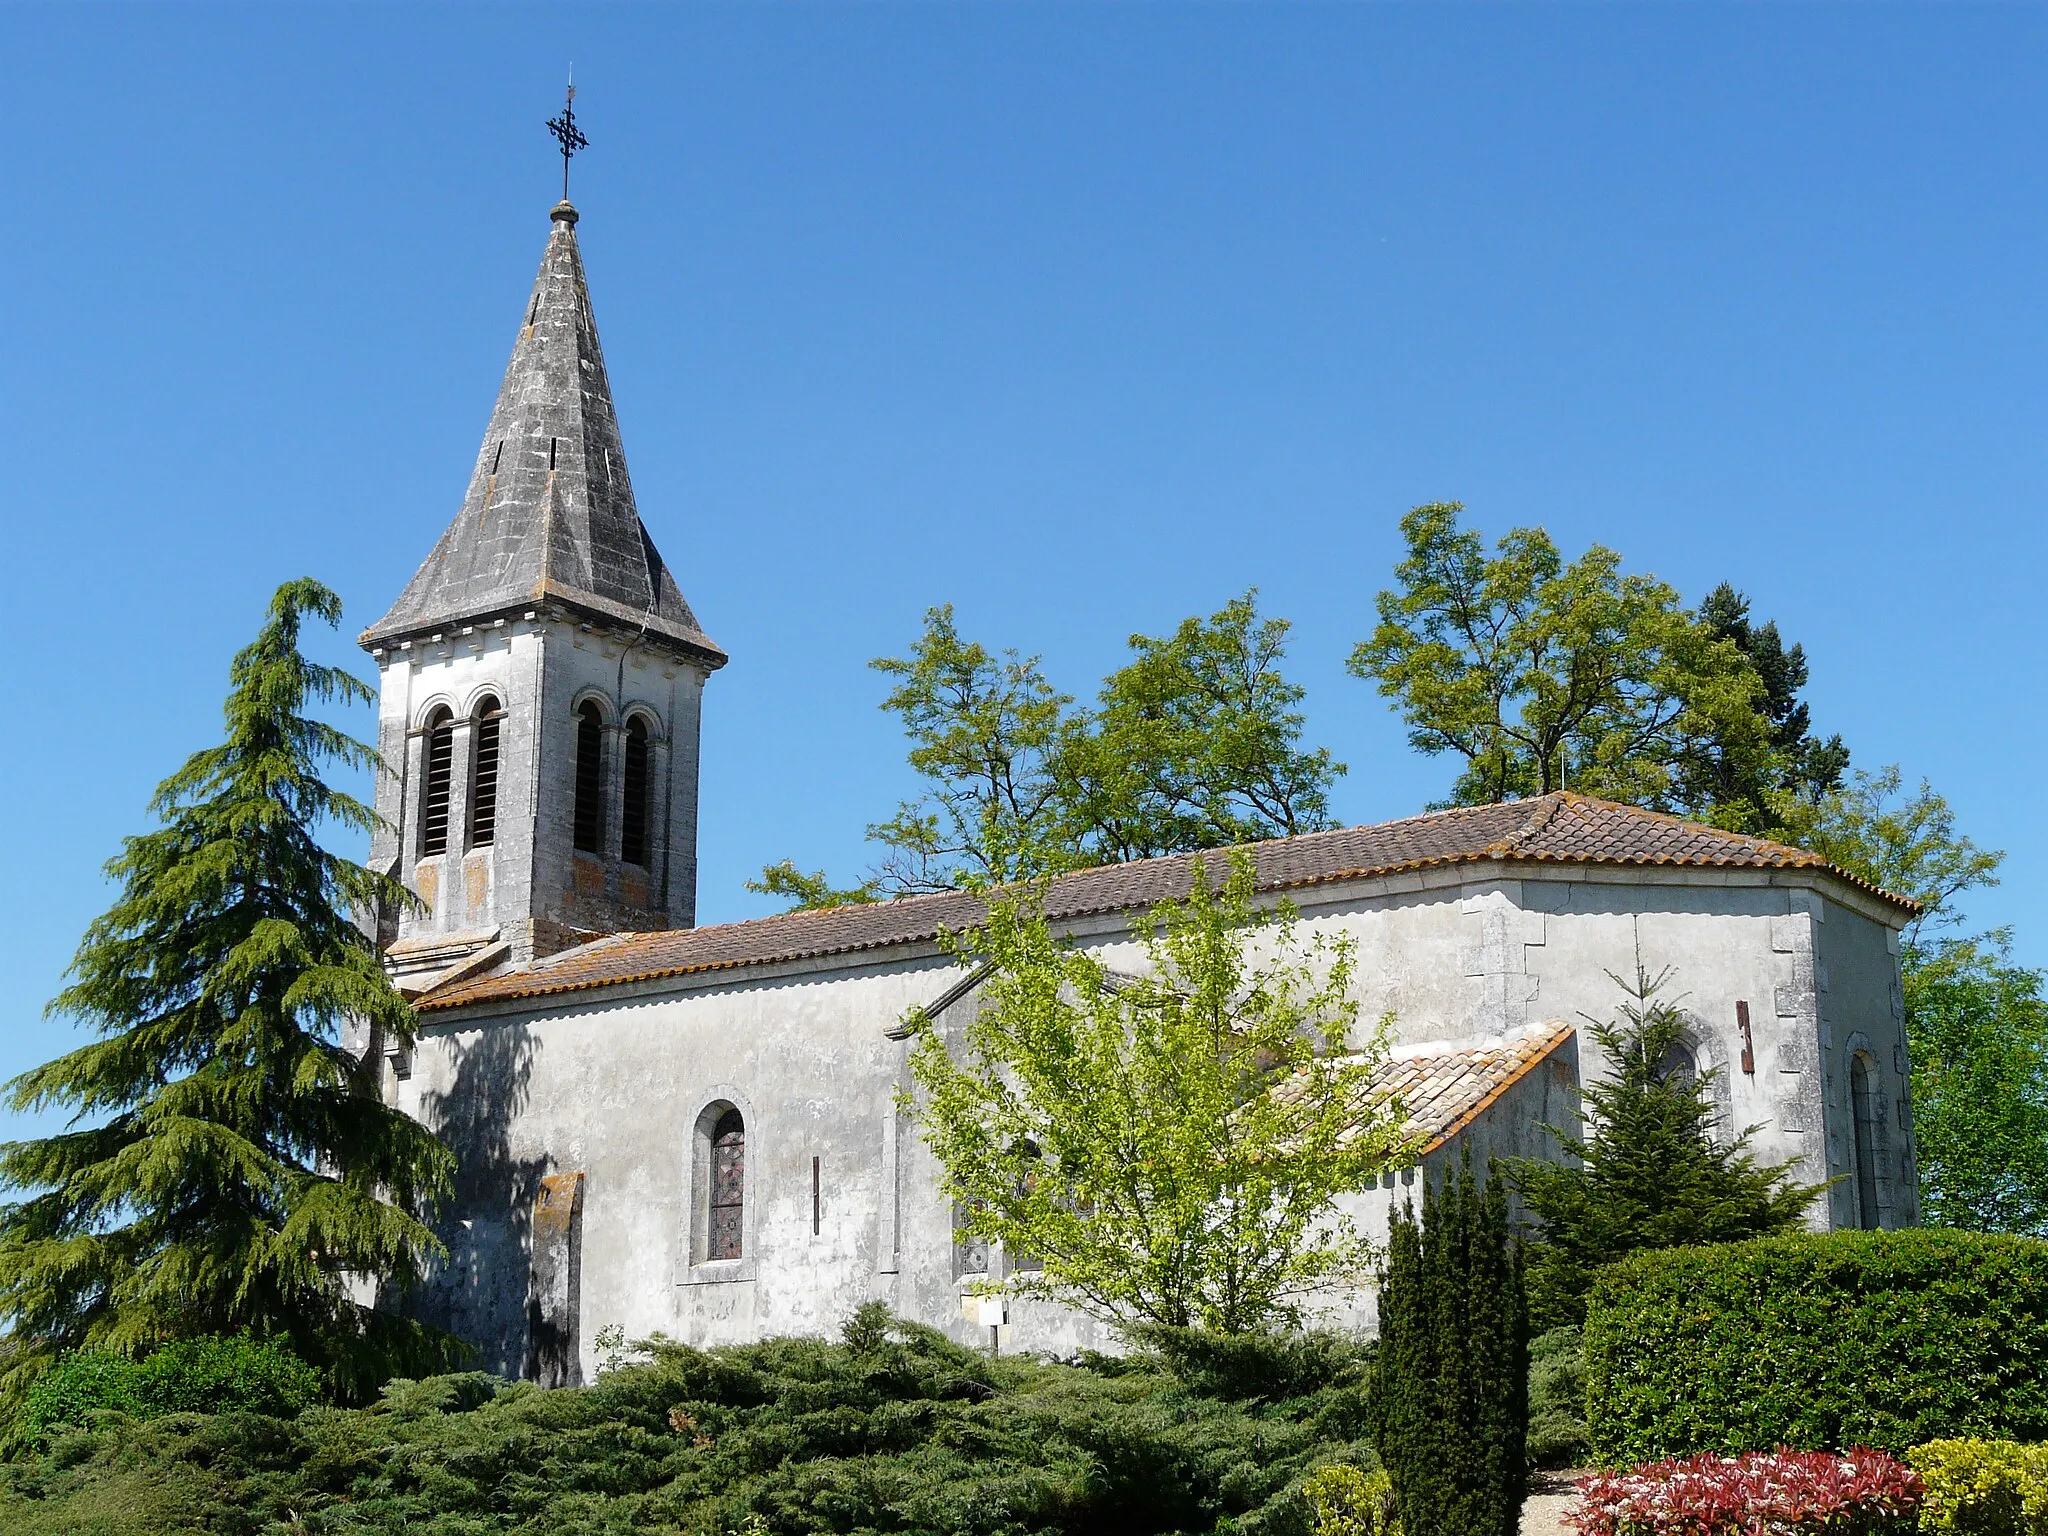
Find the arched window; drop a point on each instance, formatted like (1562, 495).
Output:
(440, 783)
(590, 779)
(728, 1186)
(1679, 1066)
(1863, 1107)
(483, 776)
(970, 1248)
(633, 814)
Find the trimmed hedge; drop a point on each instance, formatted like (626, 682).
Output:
(206, 1375)
(1885, 1339)
(1983, 1487)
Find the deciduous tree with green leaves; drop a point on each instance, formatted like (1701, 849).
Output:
(1977, 1026)
(1908, 843)
(1195, 744)
(1649, 1170)
(230, 1166)
(1545, 675)
(1168, 1146)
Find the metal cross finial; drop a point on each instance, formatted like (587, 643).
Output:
(569, 136)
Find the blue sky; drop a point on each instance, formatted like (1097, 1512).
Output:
(1083, 318)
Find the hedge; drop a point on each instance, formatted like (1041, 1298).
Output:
(1885, 1339)
(204, 1375)
(1983, 1487)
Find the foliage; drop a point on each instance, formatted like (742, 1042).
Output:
(1194, 744)
(1451, 1378)
(1983, 1487)
(205, 1375)
(1977, 1027)
(808, 890)
(229, 1166)
(901, 1432)
(1558, 1437)
(1651, 1174)
(1543, 675)
(1345, 1500)
(1167, 1146)
(1736, 785)
(1818, 1341)
(1857, 1493)
(1907, 844)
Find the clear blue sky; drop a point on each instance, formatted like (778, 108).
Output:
(1083, 318)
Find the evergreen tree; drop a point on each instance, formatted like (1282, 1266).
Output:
(230, 1166)
(1651, 1175)
(1451, 1379)
(1727, 781)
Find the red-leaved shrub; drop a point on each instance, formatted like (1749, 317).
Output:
(1779, 1493)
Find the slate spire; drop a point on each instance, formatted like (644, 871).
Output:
(550, 514)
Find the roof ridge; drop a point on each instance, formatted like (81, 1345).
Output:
(1387, 849)
(1672, 818)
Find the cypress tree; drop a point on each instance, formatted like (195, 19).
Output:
(1450, 1389)
(229, 1165)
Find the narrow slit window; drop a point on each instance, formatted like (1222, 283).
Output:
(483, 782)
(589, 779)
(1863, 1111)
(440, 784)
(633, 814)
(728, 1186)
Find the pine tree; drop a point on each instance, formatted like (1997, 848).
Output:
(229, 1165)
(1451, 1379)
(1651, 1175)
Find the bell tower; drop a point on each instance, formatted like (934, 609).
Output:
(540, 680)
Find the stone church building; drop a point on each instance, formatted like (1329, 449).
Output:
(694, 1130)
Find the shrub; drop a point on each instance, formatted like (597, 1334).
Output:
(895, 1429)
(1241, 1367)
(1857, 1493)
(1344, 1500)
(208, 1375)
(1983, 1487)
(1852, 1338)
(1557, 1400)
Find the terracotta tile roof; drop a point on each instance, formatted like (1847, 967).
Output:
(1443, 1092)
(1561, 828)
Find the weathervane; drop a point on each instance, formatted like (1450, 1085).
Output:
(569, 136)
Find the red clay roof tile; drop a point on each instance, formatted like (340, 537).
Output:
(1562, 828)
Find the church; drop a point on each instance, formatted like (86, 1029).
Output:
(695, 1131)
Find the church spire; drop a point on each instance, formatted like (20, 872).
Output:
(550, 515)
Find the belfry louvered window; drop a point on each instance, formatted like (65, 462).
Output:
(728, 1186)
(483, 779)
(440, 783)
(589, 779)
(633, 814)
